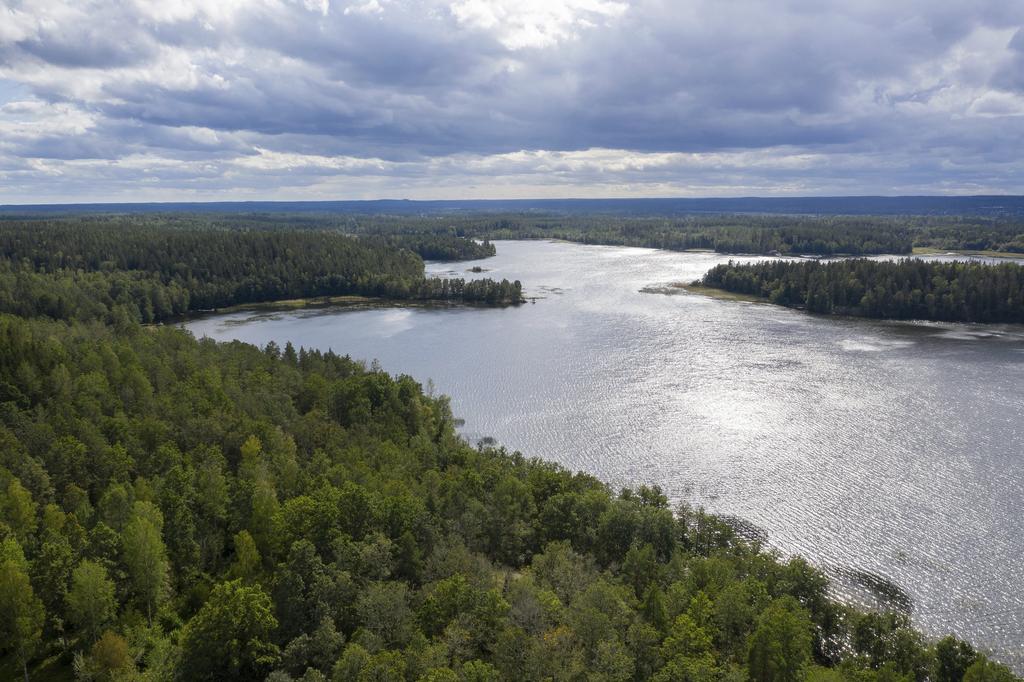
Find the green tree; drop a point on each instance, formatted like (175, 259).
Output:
(984, 670)
(262, 521)
(736, 609)
(19, 511)
(108, 659)
(211, 499)
(952, 659)
(145, 557)
(479, 671)
(384, 610)
(564, 570)
(685, 639)
(384, 666)
(91, 600)
(115, 506)
(247, 557)
(612, 662)
(177, 502)
(230, 638)
(51, 573)
(439, 675)
(353, 660)
(318, 651)
(653, 608)
(640, 568)
(781, 644)
(21, 612)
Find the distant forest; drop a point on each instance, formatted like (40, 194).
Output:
(157, 267)
(465, 236)
(741, 234)
(902, 290)
(765, 235)
(151, 269)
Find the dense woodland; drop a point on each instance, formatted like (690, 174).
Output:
(906, 289)
(177, 509)
(727, 234)
(755, 234)
(90, 237)
(973, 235)
(442, 246)
(450, 236)
(150, 270)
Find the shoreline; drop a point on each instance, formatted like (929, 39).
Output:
(343, 301)
(676, 288)
(932, 251)
(722, 294)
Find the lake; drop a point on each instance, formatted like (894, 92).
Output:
(889, 454)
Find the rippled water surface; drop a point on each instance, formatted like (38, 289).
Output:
(872, 448)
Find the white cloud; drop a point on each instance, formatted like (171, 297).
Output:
(997, 105)
(266, 160)
(364, 7)
(31, 119)
(523, 24)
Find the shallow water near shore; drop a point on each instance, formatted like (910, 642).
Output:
(888, 453)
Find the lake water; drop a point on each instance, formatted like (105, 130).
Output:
(872, 448)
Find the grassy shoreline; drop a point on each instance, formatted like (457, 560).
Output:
(722, 294)
(297, 304)
(932, 251)
(701, 290)
(345, 301)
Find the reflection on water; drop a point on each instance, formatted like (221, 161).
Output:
(878, 449)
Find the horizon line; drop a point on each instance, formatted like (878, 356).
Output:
(807, 197)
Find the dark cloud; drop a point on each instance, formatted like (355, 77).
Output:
(828, 95)
(84, 48)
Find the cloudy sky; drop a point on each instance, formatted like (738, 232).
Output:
(142, 100)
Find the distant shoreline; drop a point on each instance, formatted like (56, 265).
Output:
(932, 251)
(346, 301)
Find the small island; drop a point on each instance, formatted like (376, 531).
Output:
(907, 289)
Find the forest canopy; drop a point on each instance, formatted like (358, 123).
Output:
(151, 270)
(906, 289)
(178, 509)
(824, 235)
